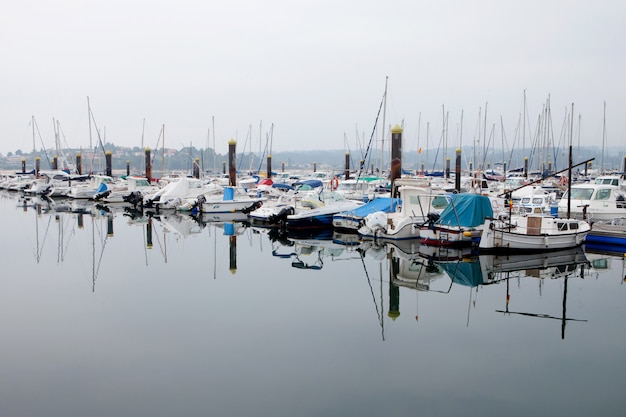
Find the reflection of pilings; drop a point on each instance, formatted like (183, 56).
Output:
(79, 164)
(110, 226)
(394, 290)
(149, 233)
(108, 156)
(232, 163)
(232, 240)
(148, 165)
(396, 155)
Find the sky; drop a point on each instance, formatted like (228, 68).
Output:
(310, 75)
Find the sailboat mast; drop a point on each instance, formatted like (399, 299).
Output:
(384, 129)
(214, 150)
(163, 152)
(484, 139)
(90, 140)
(569, 169)
(603, 139)
(524, 125)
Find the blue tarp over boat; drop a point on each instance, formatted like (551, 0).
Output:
(467, 210)
(384, 204)
(307, 184)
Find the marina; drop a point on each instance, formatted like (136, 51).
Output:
(172, 313)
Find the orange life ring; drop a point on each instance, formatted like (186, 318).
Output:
(334, 183)
(563, 180)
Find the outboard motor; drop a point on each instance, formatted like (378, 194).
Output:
(281, 216)
(252, 207)
(99, 196)
(133, 198)
(433, 217)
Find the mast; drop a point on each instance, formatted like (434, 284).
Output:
(90, 141)
(143, 130)
(163, 152)
(32, 121)
(214, 150)
(484, 138)
(524, 125)
(384, 130)
(603, 139)
(569, 169)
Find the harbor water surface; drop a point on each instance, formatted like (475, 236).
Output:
(108, 312)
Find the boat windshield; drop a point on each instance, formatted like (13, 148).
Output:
(602, 194)
(608, 181)
(580, 193)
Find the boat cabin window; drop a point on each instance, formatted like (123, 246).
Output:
(607, 181)
(525, 200)
(581, 193)
(603, 194)
(561, 226)
(537, 200)
(440, 202)
(573, 226)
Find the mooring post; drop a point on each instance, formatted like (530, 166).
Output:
(396, 156)
(232, 163)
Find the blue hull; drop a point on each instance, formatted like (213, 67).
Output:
(605, 240)
(314, 222)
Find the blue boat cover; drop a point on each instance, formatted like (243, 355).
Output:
(471, 210)
(101, 188)
(466, 273)
(281, 186)
(307, 184)
(384, 204)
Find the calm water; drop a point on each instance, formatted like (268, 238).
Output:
(108, 314)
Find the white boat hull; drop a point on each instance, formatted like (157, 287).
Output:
(520, 234)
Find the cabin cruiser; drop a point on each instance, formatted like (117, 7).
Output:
(593, 202)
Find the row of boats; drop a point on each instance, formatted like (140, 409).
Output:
(509, 218)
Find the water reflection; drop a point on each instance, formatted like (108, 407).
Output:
(171, 312)
(409, 265)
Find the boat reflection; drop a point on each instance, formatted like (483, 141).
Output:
(418, 270)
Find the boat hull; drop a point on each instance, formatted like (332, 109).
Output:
(504, 236)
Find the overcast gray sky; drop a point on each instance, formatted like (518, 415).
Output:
(314, 69)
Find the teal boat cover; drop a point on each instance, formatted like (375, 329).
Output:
(466, 210)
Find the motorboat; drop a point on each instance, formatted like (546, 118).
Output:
(604, 200)
(417, 204)
(532, 233)
(460, 223)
